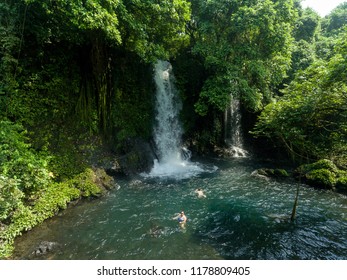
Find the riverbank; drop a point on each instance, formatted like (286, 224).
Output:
(90, 184)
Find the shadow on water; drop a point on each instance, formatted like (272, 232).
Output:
(241, 232)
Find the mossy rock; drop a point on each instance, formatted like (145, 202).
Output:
(322, 174)
(321, 178)
(93, 183)
(269, 172)
(281, 173)
(103, 179)
(321, 164)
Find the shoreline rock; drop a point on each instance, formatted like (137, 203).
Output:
(267, 173)
(44, 248)
(322, 174)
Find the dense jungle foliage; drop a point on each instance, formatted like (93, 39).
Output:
(76, 83)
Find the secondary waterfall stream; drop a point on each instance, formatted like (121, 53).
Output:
(233, 130)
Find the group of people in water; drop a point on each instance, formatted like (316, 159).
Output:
(181, 217)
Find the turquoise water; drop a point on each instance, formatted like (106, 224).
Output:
(242, 217)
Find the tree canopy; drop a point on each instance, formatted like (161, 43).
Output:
(245, 47)
(310, 119)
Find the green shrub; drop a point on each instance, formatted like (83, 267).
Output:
(23, 220)
(48, 202)
(55, 198)
(10, 197)
(6, 249)
(19, 160)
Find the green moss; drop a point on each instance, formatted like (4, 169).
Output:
(321, 164)
(321, 178)
(324, 174)
(85, 182)
(269, 172)
(325, 164)
(281, 173)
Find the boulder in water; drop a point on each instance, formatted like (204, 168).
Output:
(44, 248)
(270, 173)
(323, 174)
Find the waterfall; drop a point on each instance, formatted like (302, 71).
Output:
(233, 133)
(173, 159)
(167, 131)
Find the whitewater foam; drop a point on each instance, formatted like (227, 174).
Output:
(178, 170)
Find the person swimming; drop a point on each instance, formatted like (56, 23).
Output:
(200, 193)
(181, 218)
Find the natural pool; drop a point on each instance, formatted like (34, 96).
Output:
(242, 217)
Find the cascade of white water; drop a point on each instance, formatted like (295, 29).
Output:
(233, 135)
(173, 159)
(167, 131)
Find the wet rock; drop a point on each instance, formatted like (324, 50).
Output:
(45, 247)
(266, 173)
(101, 178)
(255, 173)
(279, 218)
(139, 158)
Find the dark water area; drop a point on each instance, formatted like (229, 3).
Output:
(243, 217)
